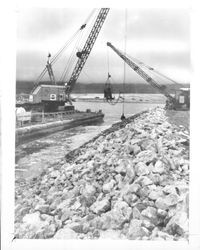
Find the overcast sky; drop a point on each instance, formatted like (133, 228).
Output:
(158, 37)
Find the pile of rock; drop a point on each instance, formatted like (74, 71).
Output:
(131, 184)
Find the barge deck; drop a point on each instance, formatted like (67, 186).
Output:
(53, 124)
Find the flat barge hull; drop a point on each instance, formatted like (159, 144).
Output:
(29, 133)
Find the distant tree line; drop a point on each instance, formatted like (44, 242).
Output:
(26, 87)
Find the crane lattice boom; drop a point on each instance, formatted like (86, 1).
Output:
(140, 72)
(83, 55)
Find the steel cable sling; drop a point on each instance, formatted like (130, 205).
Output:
(110, 100)
(108, 96)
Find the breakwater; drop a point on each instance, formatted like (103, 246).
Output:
(130, 182)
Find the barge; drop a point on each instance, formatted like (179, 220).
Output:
(43, 124)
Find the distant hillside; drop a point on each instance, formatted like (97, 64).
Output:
(26, 87)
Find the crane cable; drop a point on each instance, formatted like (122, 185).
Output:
(54, 59)
(108, 62)
(147, 67)
(152, 70)
(78, 31)
(72, 58)
(124, 79)
(90, 25)
(110, 100)
(58, 54)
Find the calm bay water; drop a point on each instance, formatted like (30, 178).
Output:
(35, 156)
(114, 112)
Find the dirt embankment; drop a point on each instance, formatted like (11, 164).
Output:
(129, 183)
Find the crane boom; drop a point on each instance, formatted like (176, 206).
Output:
(83, 55)
(141, 72)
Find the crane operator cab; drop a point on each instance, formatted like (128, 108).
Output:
(182, 97)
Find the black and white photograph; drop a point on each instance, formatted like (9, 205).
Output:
(102, 124)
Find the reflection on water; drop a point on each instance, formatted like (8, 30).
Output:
(36, 156)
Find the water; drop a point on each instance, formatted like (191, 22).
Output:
(114, 112)
(33, 157)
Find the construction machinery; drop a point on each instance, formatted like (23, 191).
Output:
(54, 96)
(84, 53)
(181, 99)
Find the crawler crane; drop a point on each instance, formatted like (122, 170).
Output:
(181, 99)
(53, 96)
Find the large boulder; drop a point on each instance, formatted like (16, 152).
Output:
(169, 189)
(130, 174)
(159, 167)
(161, 204)
(32, 226)
(121, 213)
(55, 174)
(66, 214)
(155, 194)
(136, 214)
(65, 234)
(178, 224)
(33, 219)
(136, 149)
(172, 199)
(110, 234)
(146, 156)
(136, 230)
(76, 226)
(148, 224)
(88, 194)
(141, 169)
(143, 192)
(101, 206)
(120, 169)
(133, 188)
(108, 187)
(46, 232)
(156, 178)
(42, 208)
(151, 214)
(143, 181)
(130, 198)
(166, 202)
(105, 221)
(161, 213)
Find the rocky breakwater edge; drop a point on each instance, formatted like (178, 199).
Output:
(131, 183)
